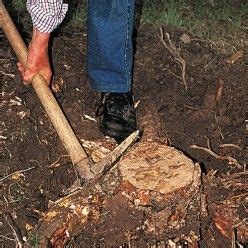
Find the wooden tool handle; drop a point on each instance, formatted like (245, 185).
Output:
(47, 99)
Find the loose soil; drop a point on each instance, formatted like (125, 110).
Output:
(199, 116)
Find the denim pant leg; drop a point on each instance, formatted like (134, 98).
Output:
(110, 49)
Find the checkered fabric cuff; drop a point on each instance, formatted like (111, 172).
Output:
(46, 14)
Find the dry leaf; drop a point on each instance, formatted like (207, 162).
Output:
(28, 227)
(50, 215)
(17, 176)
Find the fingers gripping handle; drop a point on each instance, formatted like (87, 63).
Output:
(43, 92)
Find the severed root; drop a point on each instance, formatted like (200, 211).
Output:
(231, 160)
(174, 52)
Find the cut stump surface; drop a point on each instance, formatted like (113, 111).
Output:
(156, 167)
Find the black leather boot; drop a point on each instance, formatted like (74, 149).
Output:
(118, 115)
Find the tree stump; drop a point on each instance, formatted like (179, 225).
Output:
(152, 189)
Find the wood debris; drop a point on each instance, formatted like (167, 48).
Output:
(235, 57)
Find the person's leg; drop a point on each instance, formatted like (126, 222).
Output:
(110, 49)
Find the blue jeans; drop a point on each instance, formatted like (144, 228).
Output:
(110, 48)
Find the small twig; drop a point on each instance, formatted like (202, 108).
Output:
(5, 237)
(194, 108)
(4, 197)
(206, 66)
(239, 196)
(208, 143)
(136, 104)
(16, 236)
(172, 49)
(36, 161)
(192, 198)
(55, 164)
(231, 160)
(20, 171)
(221, 133)
(173, 74)
(89, 118)
(7, 74)
(218, 126)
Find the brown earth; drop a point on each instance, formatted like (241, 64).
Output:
(211, 110)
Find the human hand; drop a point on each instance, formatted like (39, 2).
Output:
(38, 59)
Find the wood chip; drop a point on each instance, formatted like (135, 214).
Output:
(235, 57)
(90, 118)
(220, 91)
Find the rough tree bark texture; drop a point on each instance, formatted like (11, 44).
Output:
(155, 182)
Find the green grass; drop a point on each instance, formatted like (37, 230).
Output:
(169, 13)
(181, 13)
(79, 16)
(34, 240)
(221, 22)
(16, 8)
(19, 5)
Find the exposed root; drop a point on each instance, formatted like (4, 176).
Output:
(230, 145)
(174, 52)
(231, 160)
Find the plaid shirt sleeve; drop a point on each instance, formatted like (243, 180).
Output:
(46, 14)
